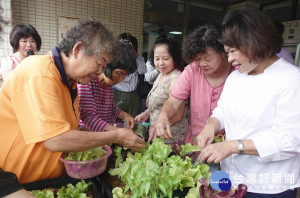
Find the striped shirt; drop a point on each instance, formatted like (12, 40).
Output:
(97, 107)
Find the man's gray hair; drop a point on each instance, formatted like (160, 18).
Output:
(94, 35)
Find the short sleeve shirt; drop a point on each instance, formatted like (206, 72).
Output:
(35, 106)
(203, 98)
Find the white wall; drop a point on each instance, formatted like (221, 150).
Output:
(5, 48)
(119, 15)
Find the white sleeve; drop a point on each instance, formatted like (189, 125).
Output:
(141, 66)
(151, 73)
(6, 67)
(218, 113)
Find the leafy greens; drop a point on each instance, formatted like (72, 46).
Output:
(152, 173)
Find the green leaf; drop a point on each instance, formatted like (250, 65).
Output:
(119, 159)
(152, 173)
(154, 195)
(189, 148)
(95, 153)
(147, 187)
(42, 193)
(162, 188)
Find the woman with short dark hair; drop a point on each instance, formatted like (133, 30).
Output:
(258, 40)
(24, 31)
(25, 40)
(259, 109)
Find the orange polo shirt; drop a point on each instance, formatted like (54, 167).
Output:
(35, 106)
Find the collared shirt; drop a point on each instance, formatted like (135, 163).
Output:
(131, 81)
(55, 56)
(266, 109)
(34, 108)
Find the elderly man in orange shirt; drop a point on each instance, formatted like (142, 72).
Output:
(39, 105)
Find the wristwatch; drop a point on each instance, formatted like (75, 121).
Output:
(241, 147)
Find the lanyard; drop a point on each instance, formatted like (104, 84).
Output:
(55, 56)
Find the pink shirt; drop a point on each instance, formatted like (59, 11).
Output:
(203, 98)
(97, 107)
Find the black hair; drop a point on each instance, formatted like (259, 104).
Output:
(251, 32)
(279, 26)
(24, 31)
(127, 37)
(127, 61)
(161, 33)
(173, 48)
(202, 38)
(134, 42)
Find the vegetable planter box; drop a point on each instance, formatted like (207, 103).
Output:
(96, 189)
(155, 171)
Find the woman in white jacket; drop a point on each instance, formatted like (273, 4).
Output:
(259, 109)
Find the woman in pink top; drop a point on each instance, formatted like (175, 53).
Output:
(25, 40)
(202, 81)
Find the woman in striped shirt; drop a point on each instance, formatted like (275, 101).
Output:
(97, 108)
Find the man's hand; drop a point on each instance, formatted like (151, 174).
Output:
(128, 139)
